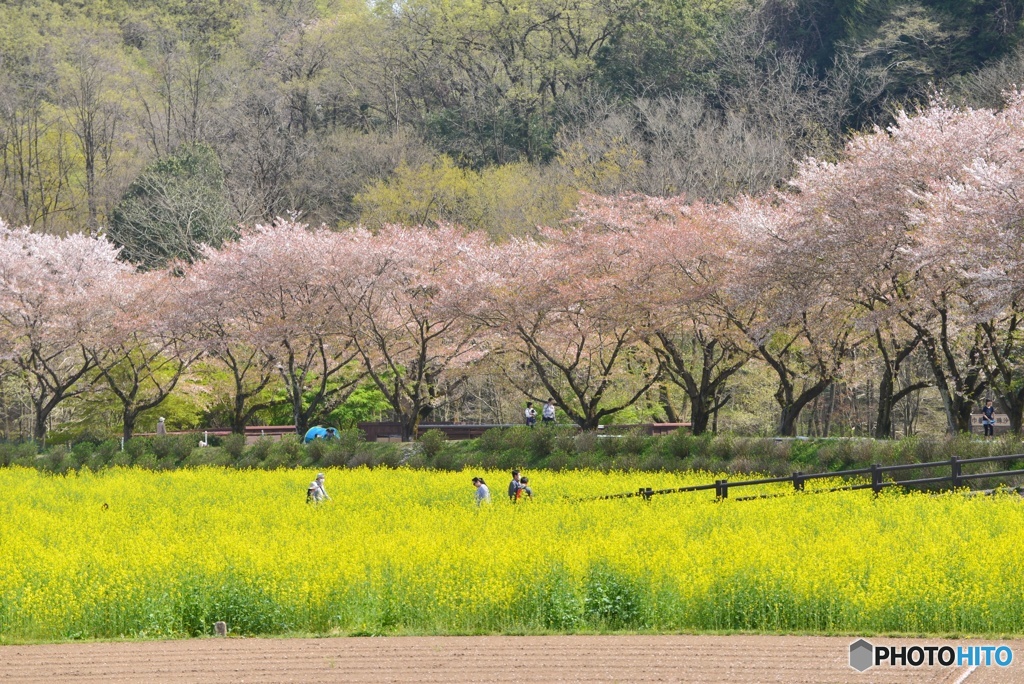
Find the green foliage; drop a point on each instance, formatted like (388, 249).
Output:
(365, 403)
(500, 200)
(349, 447)
(612, 599)
(533, 449)
(18, 453)
(234, 445)
(432, 442)
(208, 456)
(287, 452)
(559, 605)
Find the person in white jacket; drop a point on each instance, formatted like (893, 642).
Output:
(316, 492)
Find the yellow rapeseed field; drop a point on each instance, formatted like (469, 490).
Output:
(129, 552)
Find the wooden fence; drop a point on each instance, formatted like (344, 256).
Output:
(956, 478)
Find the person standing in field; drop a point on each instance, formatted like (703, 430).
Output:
(483, 494)
(316, 492)
(514, 486)
(161, 427)
(531, 414)
(548, 412)
(524, 488)
(988, 419)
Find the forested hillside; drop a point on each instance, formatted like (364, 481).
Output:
(152, 119)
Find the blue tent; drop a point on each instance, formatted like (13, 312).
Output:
(319, 432)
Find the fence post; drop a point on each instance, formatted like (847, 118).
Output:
(798, 481)
(646, 493)
(954, 465)
(876, 478)
(722, 489)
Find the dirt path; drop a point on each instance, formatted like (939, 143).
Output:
(810, 660)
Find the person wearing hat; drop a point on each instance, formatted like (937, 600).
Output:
(316, 492)
(161, 428)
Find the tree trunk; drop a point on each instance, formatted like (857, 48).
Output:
(239, 416)
(791, 406)
(883, 418)
(39, 425)
(239, 419)
(410, 426)
(299, 416)
(128, 429)
(700, 416)
(787, 421)
(1015, 412)
(959, 387)
(411, 421)
(666, 404)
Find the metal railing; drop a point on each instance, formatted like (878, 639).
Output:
(956, 478)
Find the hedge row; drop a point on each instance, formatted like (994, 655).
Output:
(537, 448)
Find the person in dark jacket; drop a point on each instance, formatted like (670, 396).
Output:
(514, 486)
(988, 419)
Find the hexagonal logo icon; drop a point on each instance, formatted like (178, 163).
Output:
(862, 655)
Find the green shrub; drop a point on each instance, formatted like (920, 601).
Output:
(338, 452)
(103, 454)
(136, 447)
(57, 460)
(432, 442)
(147, 460)
(559, 605)
(122, 459)
(256, 453)
(233, 445)
(682, 445)
(585, 442)
(18, 453)
(492, 441)
(286, 453)
(612, 600)
(173, 449)
(540, 443)
(208, 456)
(315, 451)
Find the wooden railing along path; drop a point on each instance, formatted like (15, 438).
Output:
(956, 479)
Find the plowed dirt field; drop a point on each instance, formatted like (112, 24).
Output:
(810, 660)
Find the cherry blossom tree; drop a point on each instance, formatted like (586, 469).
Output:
(797, 322)
(142, 344)
(970, 231)
(403, 293)
(558, 307)
(48, 306)
(928, 149)
(280, 277)
(229, 330)
(685, 252)
(858, 223)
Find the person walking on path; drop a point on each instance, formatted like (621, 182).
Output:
(483, 494)
(548, 412)
(161, 427)
(988, 419)
(531, 414)
(316, 492)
